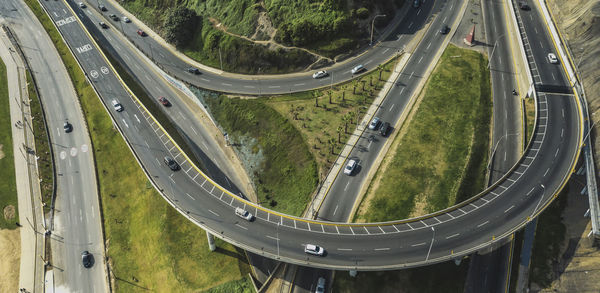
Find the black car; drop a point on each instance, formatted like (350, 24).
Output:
(171, 163)
(114, 17)
(87, 259)
(67, 127)
(385, 129)
(524, 6)
(102, 8)
(193, 70)
(103, 24)
(444, 30)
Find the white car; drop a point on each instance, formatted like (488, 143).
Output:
(320, 285)
(358, 69)
(320, 74)
(350, 167)
(552, 58)
(314, 249)
(117, 105)
(374, 123)
(126, 19)
(244, 214)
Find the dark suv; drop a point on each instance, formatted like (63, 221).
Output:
(171, 163)
(87, 259)
(193, 70)
(385, 129)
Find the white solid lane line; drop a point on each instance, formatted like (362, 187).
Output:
(452, 236)
(213, 213)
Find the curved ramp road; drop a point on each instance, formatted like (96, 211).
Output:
(500, 210)
(264, 84)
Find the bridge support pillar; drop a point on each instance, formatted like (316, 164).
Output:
(211, 241)
(353, 273)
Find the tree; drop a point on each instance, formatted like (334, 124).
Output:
(380, 70)
(332, 143)
(344, 95)
(180, 24)
(316, 96)
(346, 119)
(339, 132)
(354, 83)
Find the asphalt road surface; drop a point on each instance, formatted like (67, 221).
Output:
(77, 225)
(268, 84)
(457, 231)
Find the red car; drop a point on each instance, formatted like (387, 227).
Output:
(141, 33)
(164, 101)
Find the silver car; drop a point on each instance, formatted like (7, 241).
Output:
(374, 123)
(320, 74)
(314, 249)
(244, 214)
(358, 69)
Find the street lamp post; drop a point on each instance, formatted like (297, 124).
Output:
(538, 204)
(492, 55)
(278, 240)
(373, 24)
(495, 147)
(430, 245)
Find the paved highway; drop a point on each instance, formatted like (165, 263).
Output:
(344, 191)
(267, 84)
(459, 230)
(184, 112)
(488, 270)
(77, 219)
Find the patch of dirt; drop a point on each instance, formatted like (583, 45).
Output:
(265, 31)
(9, 212)
(1, 152)
(10, 259)
(577, 268)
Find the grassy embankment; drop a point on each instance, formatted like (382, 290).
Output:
(8, 199)
(145, 237)
(327, 28)
(290, 140)
(439, 158)
(444, 147)
(45, 172)
(529, 119)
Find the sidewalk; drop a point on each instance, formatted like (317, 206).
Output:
(30, 210)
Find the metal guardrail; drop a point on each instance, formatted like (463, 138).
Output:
(575, 82)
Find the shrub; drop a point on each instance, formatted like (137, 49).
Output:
(362, 13)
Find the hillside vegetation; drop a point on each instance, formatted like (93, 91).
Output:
(273, 35)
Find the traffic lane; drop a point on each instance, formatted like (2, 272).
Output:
(541, 45)
(390, 110)
(68, 186)
(202, 143)
(307, 278)
(248, 84)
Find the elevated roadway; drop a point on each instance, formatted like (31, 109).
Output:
(496, 213)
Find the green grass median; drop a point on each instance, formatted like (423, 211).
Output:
(440, 155)
(150, 246)
(8, 199)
